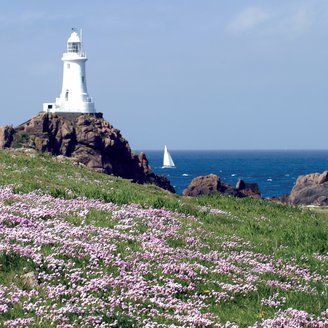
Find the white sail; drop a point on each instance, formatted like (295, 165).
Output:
(167, 160)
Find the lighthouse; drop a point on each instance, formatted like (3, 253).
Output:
(74, 97)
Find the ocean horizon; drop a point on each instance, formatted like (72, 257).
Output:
(275, 171)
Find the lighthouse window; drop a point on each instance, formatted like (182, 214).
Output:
(68, 66)
(73, 46)
(83, 79)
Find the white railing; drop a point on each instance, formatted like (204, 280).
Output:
(73, 55)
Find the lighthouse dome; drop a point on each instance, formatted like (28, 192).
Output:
(74, 38)
(74, 43)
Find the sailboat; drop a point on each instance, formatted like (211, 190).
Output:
(167, 160)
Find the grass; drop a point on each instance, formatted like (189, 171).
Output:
(290, 233)
(30, 171)
(273, 228)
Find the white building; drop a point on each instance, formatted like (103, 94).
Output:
(74, 97)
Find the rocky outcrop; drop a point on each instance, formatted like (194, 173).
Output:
(283, 199)
(248, 189)
(203, 185)
(210, 184)
(6, 136)
(87, 139)
(311, 189)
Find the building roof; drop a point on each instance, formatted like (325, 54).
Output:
(74, 37)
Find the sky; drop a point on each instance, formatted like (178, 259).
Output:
(192, 74)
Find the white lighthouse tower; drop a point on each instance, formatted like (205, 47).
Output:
(74, 97)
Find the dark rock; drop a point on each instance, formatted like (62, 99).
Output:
(86, 138)
(210, 184)
(6, 136)
(248, 189)
(160, 181)
(203, 185)
(88, 156)
(283, 199)
(144, 162)
(228, 190)
(323, 178)
(310, 189)
(241, 185)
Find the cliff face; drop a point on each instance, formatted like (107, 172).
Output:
(88, 139)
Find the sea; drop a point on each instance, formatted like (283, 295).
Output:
(274, 171)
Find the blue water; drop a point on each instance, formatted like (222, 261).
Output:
(274, 171)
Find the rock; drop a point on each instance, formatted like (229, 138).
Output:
(6, 136)
(66, 131)
(41, 143)
(228, 190)
(144, 162)
(203, 185)
(283, 199)
(30, 279)
(323, 178)
(210, 184)
(161, 181)
(88, 140)
(88, 156)
(241, 185)
(248, 189)
(310, 189)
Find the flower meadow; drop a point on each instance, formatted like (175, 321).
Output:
(84, 262)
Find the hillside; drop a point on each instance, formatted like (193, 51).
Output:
(87, 139)
(80, 248)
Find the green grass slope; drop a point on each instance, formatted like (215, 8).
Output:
(103, 251)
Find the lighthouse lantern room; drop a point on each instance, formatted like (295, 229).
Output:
(74, 97)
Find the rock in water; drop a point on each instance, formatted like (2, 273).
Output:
(87, 139)
(203, 185)
(248, 189)
(210, 184)
(310, 189)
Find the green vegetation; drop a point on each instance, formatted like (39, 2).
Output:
(295, 237)
(273, 228)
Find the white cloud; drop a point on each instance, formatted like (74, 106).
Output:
(248, 19)
(301, 19)
(288, 21)
(292, 22)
